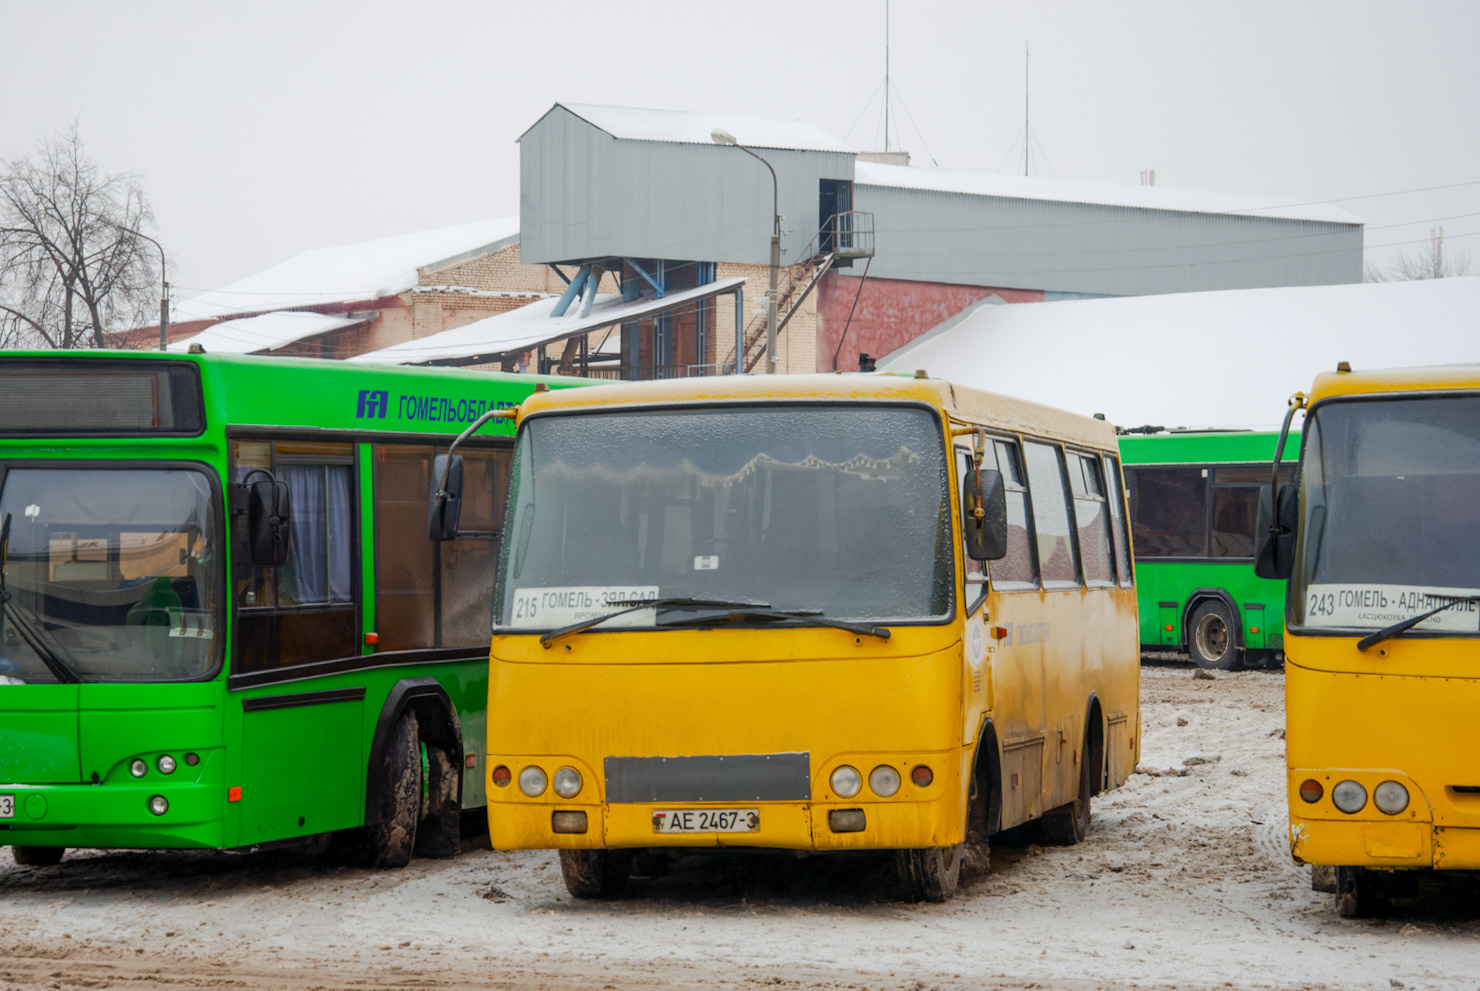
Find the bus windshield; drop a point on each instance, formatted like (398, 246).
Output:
(1391, 506)
(111, 575)
(842, 509)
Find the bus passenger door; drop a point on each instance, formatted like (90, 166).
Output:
(302, 767)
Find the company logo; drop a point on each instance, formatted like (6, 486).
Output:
(373, 404)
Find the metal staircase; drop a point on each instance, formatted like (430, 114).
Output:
(844, 236)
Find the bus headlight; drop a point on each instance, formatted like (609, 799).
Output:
(1391, 797)
(845, 782)
(166, 764)
(159, 805)
(532, 781)
(884, 780)
(567, 782)
(138, 768)
(1349, 797)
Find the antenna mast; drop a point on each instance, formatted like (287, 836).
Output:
(1027, 131)
(886, 75)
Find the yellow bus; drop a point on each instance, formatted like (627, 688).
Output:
(1381, 543)
(758, 612)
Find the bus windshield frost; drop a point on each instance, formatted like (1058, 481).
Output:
(838, 511)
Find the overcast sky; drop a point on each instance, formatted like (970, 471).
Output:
(266, 128)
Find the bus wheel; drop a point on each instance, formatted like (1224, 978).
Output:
(1067, 824)
(1360, 894)
(1323, 878)
(596, 873)
(931, 874)
(394, 836)
(1212, 641)
(37, 856)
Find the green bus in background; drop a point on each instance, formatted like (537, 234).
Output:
(1193, 497)
(223, 623)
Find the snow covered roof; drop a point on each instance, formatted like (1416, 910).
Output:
(531, 326)
(693, 127)
(1227, 358)
(350, 272)
(1100, 193)
(268, 332)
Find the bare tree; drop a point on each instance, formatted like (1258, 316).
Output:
(1430, 262)
(72, 269)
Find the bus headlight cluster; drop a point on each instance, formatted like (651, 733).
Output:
(1349, 797)
(846, 782)
(567, 782)
(1390, 797)
(532, 781)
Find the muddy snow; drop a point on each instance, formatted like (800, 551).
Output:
(1184, 881)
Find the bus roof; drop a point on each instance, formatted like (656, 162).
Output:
(1423, 378)
(973, 406)
(1206, 447)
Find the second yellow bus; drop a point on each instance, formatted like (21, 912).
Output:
(816, 613)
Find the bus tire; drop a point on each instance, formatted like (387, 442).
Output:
(596, 873)
(393, 837)
(1212, 639)
(1068, 824)
(440, 831)
(930, 874)
(1360, 893)
(38, 856)
(1323, 878)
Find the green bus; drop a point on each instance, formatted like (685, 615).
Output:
(223, 622)
(1193, 497)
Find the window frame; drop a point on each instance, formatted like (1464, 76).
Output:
(1095, 458)
(1120, 526)
(1061, 450)
(1211, 484)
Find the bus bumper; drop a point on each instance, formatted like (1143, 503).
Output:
(1398, 845)
(782, 825)
(114, 814)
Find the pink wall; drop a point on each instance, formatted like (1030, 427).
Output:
(890, 314)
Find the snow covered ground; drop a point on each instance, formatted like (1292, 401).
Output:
(1184, 882)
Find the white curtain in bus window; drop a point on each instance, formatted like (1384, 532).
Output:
(1117, 520)
(1056, 560)
(1092, 519)
(1169, 511)
(1017, 569)
(318, 571)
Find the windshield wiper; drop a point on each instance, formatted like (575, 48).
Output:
(808, 617)
(670, 602)
(54, 664)
(1373, 639)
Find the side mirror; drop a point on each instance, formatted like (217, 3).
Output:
(444, 502)
(984, 514)
(269, 510)
(1275, 531)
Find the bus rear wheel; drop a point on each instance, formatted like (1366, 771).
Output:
(596, 873)
(1068, 824)
(37, 856)
(930, 874)
(1213, 641)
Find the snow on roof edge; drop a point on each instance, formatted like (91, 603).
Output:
(653, 124)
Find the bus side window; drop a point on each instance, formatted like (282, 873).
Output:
(303, 611)
(1091, 517)
(1057, 560)
(1018, 570)
(1114, 494)
(1169, 511)
(431, 593)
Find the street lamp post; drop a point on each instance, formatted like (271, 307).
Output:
(164, 291)
(722, 137)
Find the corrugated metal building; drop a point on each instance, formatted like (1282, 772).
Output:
(649, 191)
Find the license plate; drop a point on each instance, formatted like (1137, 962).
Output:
(706, 821)
(7, 806)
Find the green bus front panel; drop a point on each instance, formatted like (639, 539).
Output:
(1165, 587)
